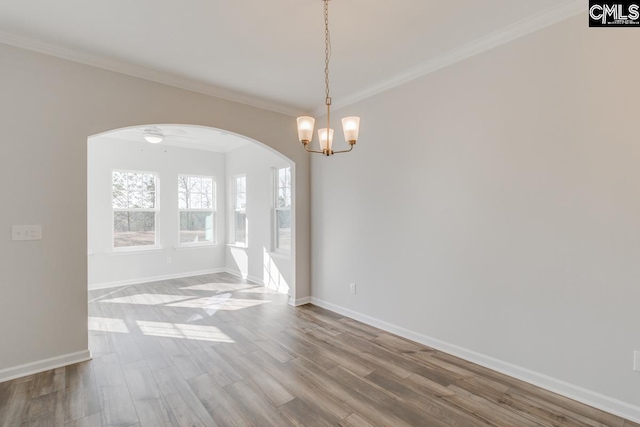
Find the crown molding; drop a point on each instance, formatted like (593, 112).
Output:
(562, 11)
(146, 74)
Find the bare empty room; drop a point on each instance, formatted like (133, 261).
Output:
(320, 213)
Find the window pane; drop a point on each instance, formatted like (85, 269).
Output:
(120, 199)
(195, 192)
(240, 223)
(148, 200)
(182, 200)
(241, 200)
(196, 227)
(149, 182)
(241, 184)
(183, 183)
(132, 190)
(284, 197)
(207, 193)
(135, 200)
(284, 188)
(120, 194)
(207, 203)
(282, 202)
(196, 184)
(134, 229)
(136, 182)
(194, 200)
(283, 229)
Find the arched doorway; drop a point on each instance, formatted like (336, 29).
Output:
(192, 221)
(193, 156)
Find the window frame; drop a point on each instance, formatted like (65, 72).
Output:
(155, 210)
(213, 210)
(233, 182)
(275, 209)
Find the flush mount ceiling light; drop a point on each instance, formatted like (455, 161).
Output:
(350, 125)
(153, 135)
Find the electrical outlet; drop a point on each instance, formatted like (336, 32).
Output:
(26, 232)
(168, 260)
(636, 361)
(352, 288)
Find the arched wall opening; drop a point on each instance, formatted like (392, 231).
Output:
(190, 218)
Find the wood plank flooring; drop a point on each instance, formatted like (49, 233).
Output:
(218, 351)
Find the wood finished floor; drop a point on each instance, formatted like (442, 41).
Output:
(216, 350)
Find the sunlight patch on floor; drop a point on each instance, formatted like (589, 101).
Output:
(219, 302)
(104, 324)
(148, 299)
(219, 287)
(271, 275)
(259, 290)
(183, 331)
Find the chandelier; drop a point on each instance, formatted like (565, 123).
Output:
(350, 125)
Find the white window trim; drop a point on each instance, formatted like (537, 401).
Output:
(232, 210)
(156, 210)
(275, 209)
(213, 210)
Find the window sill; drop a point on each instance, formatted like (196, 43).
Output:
(117, 252)
(234, 245)
(187, 247)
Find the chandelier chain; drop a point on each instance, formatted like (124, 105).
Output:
(327, 51)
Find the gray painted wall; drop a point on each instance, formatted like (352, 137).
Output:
(495, 205)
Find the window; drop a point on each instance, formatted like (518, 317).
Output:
(239, 210)
(282, 216)
(134, 209)
(196, 202)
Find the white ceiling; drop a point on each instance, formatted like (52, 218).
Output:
(271, 53)
(194, 137)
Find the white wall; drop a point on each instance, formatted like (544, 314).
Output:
(106, 155)
(495, 205)
(258, 261)
(50, 107)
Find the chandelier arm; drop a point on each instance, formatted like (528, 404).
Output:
(344, 151)
(312, 151)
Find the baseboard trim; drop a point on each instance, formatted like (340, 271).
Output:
(300, 301)
(20, 371)
(582, 395)
(237, 273)
(234, 272)
(137, 281)
(256, 280)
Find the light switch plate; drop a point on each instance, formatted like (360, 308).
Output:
(26, 232)
(636, 361)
